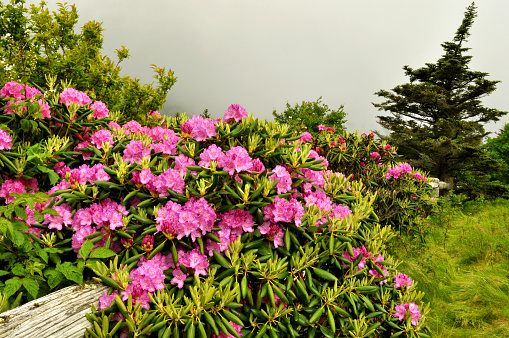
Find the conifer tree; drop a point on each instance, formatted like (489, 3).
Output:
(437, 119)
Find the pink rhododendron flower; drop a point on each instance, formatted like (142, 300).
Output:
(71, 95)
(65, 217)
(258, 166)
(132, 127)
(314, 155)
(135, 151)
(114, 125)
(373, 272)
(212, 153)
(235, 113)
(100, 137)
(105, 300)
(236, 160)
(17, 186)
(181, 163)
(18, 91)
(356, 252)
(403, 310)
(321, 127)
(5, 140)
(178, 278)
(100, 110)
(194, 219)
(169, 179)
(306, 137)
(273, 232)
(147, 244)
(374, 155)
(199, 128)
(195, 262)
(78, 238)
(282, 210)
(401, 280)
(284, 179)
(330, 129)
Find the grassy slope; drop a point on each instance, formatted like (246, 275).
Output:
(464, 270)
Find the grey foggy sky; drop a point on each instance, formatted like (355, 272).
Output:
(262, 54)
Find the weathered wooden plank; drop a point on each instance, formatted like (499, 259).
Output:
(60, 314)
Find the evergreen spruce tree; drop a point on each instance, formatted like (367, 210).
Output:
(437, 119)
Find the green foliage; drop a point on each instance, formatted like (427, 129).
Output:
(401, 203)
(437, 119)
(463, 269)
(308, 270)
(36, 43)
(31, 265)
(498, 148)
(307, 116)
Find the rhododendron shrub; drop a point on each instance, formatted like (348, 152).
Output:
(404, 197)
(230, 227)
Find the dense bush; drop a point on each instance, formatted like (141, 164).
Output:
(36, 44)
(403, 196)
(228, 227)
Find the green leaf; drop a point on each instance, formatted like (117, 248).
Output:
(53, 277)
(71, 272)
(11, 286)
(16, 237)
(102, 252)
(19, 269)
(53, 250)
(31, 286)
(3, 272)
(20, 212)
(86, 248)
(53, 176)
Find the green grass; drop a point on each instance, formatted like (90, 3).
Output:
(464, 270)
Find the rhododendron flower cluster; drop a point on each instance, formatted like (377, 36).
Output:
(401, 169)
(284, 179)
(84, 174)
(401, 280)
(235, 113)
(194, 219)
(324, 203)
(5, 140)
(105, 300)
(106, 214)
(21, 92)
(148, 277)
(135, 151)
(403, 310)
(212, 153)
(366, 255)
(236, 160)
(159, 185)
(273, 232)
(64, 218)
(71, 95)
(99, 110)
(195, 263)
(181, 163)
(199, 128)
(282, 210)
(233, 224)
(17, 186)
(306, 137)
(100, 137)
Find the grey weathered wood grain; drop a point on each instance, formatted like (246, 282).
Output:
(60, 314)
